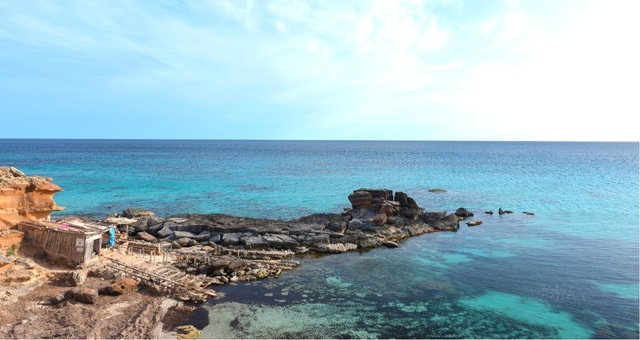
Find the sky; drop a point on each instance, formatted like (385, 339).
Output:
(550, 70)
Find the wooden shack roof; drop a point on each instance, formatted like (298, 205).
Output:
(120, 220)
(72, 225)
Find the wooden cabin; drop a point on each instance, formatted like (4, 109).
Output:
(74, 242)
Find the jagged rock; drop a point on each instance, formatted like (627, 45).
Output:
(338, 227)
(462, 212)
(374, 217)
(389, 207)
(360, 199)
(379, 194)
(411, 214)
(368, 242)
(25, 198)
(379, 219)
(154, 229)
(406, 201)
(419, 229)
(437, 221)
(164, 232)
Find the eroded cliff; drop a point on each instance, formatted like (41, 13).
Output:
(25, 197)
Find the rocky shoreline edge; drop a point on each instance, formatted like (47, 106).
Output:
(377, 217)
(214, 248)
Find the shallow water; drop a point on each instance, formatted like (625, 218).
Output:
(569, 271)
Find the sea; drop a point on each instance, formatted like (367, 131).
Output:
(570, 270)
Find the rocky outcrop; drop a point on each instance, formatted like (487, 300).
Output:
(25, 198)
(377, 217)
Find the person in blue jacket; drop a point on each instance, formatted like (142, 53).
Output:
(112, 237)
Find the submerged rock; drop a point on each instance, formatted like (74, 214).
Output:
(474, 223)
(502, 212)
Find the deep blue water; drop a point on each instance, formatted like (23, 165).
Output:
(569, 271)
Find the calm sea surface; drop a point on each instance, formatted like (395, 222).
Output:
(569, 271)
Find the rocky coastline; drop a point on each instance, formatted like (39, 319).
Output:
(50, 300)
(240, 245)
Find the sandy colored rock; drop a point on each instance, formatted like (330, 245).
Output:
(123, 285)
(25, 198)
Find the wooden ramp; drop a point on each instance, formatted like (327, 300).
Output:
(169, 278)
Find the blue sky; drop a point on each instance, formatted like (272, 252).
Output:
(289, 69)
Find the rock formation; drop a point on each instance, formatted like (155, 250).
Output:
(24, 198)
(376, 218)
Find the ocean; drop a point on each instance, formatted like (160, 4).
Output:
(571, 270)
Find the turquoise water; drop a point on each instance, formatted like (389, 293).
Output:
(569, 271)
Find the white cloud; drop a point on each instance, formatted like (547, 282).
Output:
(375, 66)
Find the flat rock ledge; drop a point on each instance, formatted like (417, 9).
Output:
(376, 217)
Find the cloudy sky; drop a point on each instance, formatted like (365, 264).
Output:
(294, 69)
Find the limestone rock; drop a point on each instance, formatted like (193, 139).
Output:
(334, 248)
(379, 219)
(123, 285)
(449, 222)
(25, 198)
(78, 277)
(360, 199)
(255, 242)
(389, 207)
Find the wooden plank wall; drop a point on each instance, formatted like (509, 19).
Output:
(60, 244)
